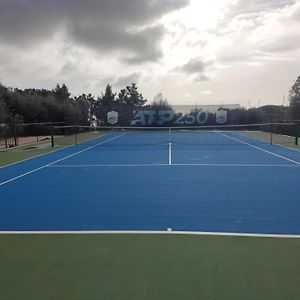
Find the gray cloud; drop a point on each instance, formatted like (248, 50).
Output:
(251, 11)
(139, 46)
(241, 57)
(195, 66)
(296, 14)
(201, 77)
(247, 7)
(284, 44)
(250, 23)
(24, 23)
(68, 69)
(123, 81)
(104, 25)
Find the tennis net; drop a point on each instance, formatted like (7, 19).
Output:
(272, 133)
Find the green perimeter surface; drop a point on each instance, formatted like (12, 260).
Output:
(13, 155)
(148, 267)
(277, 139)
(21, 153)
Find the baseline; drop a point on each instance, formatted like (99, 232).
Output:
(149, 232)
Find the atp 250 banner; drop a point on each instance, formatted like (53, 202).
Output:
(165, 117)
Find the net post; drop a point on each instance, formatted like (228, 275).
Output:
(271, 134)
(52, 140)
(297, 131)
(52, 136)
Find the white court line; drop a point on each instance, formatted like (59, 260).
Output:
(242, 165)
(53, 151)
(59, 160)
(274, 143)
(140, 232)
(261, 149)
(108, 165)
(178, 165)
(170, 153)
(36, 156)
(286, 147)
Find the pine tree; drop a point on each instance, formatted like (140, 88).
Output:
(294, 99)
(4, 114)
(134, 98)
(61, 93)
(108, 98)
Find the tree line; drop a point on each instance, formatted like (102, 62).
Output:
(58, 105)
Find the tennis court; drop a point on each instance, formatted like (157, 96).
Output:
(220, 182)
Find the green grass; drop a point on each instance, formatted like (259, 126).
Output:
(20, 153)
(81, 137)
(13, 155)
(148, 267)
(278, 139)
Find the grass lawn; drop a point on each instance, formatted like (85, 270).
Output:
(148, 267)
(13, 155)
(277, 139)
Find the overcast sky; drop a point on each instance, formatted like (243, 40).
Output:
(204, 52)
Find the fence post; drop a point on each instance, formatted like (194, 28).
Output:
(5, 136)
(15, 135)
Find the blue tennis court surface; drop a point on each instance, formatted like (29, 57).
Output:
(216, 182)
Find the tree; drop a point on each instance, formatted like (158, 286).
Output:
(271, 113)
(131, 101)
(160, 103)
(122, 97)
(294, 100)
(3, 111)
(61, 93)
(103, 104)
(133, 97)
(85, 108)
(108, 97)
(3, 108)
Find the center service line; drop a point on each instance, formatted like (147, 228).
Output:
(170, 154)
